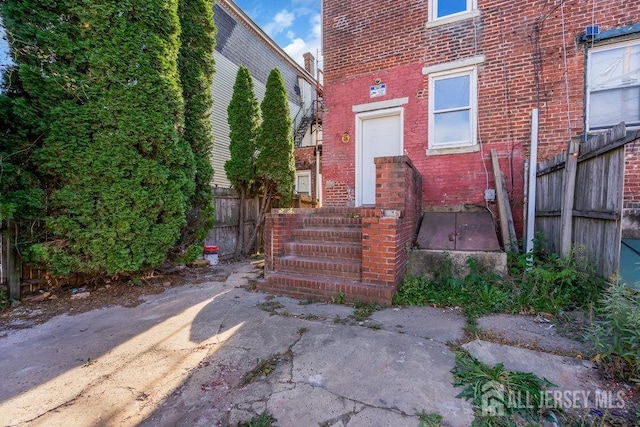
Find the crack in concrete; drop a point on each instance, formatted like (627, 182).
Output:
(62, 405)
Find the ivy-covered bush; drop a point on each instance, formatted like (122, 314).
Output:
(101, 96)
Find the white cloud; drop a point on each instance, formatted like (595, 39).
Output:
(298, 46)
(283, 20)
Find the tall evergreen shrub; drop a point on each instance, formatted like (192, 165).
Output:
(275, 164)
(196, 66)
(244, 122)
(102, 94)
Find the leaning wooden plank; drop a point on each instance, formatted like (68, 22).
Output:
(566, 219)
(513, 245)
(501, 196)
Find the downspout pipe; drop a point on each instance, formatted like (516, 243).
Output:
(531, 193)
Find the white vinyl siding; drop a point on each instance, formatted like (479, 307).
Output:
(223, 81)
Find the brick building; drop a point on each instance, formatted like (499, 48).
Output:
(444, 82)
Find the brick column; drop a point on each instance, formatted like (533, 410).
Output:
(388, 232)
(278, 230)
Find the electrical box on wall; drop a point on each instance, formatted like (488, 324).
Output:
(489, 194)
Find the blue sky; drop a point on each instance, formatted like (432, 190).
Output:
(293, 24)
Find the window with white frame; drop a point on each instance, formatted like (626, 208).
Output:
(613, 85)
(453, 108)
(303, 182)
(439, 9)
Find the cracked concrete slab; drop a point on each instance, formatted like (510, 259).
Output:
(394, 372)
(179, 359)
(531, 331)
(567, 373)
(312, 310)
(439, 324)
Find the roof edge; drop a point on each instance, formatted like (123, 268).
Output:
(230, 5)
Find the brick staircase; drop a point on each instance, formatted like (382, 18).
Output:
(323, 259)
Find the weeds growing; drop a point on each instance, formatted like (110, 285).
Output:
(263, 420)
(500, 397)
(615, 333)
(542, 283)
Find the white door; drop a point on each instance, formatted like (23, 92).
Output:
(379, 135)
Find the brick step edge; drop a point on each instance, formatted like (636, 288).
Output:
(331, 222)
(350, 269)
(326, 235)
(324, 289)
(324, 250)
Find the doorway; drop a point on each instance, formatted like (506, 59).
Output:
(378, 134)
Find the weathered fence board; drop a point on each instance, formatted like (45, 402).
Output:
(596, 205)
(9, 261)
(224, 234)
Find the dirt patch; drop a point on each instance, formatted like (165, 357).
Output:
(39, 307)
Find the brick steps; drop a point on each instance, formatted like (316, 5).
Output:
(326, 267)
(323, 221)
(338, 234)
(325, 250)
(324, 260)
(324, 288)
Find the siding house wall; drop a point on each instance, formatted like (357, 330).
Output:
(239, 42)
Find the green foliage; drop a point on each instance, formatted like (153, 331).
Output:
(275, 164)
(477, 294)
(244, 123)
(520, 396)
(548, 283)
(541, 284)
(100, 98)
(4, 299)
(429, 420)
(363, 310)
(616, 332)
(339, 298)
(21, 195)
(263, 420)
(196, 67)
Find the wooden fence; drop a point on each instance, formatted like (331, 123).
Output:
(10, 271)
(579, 198)
(224, 234)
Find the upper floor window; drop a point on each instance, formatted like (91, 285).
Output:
(613, 85)
(453, 108)
(439, 9)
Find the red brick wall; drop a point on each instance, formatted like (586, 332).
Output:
(278, 230)
(388, 233)
(631, 207)
(522, 43)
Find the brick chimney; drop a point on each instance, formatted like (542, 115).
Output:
(310, 63)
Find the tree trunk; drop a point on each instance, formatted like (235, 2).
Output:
(240, 235)
(261, 215)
